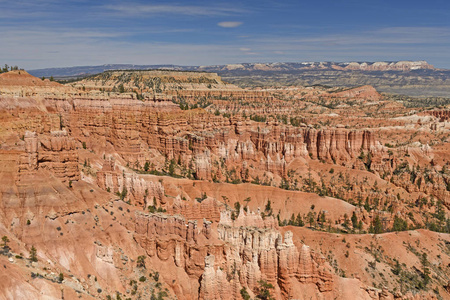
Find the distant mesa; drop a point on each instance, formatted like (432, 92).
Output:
(82, 71)
(363, 66)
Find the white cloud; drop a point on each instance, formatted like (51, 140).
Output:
(229, 24)
(190, 10)
(245, 49)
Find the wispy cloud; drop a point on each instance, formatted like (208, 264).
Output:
(229, 24)
(189, 10)
(391, 35)
(247, 51)
(33, 49)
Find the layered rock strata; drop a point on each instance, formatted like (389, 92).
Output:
(232, 255)
(56, 153)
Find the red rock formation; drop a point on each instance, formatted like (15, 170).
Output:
(21, 78)
(208, 208)
(214, 283)
(244, 219)
(197, 244)
(366, 92)
(442, 115)
(137, 130)
(239, 254)
(56, 153)
(133, 127)
(140, 191)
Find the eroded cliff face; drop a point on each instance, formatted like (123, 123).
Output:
(223, 258)
(213, 147)
(134, 188)
(229, 256)
(55, 152)
(202, 141)
(199, 140)
(441, 115)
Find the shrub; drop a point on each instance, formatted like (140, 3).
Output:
(397, 268)
(155, 276)
(245, 295)
(33, 254)
(140, 263)
(399, 224)
(263, 290)
(5, 241)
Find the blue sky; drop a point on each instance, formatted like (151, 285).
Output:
(52, 33)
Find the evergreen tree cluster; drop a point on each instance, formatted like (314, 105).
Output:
(7, 68)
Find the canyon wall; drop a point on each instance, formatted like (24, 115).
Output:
(231, 256)
(55, 152)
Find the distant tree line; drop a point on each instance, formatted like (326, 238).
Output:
(7, 68)
(417, 102)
